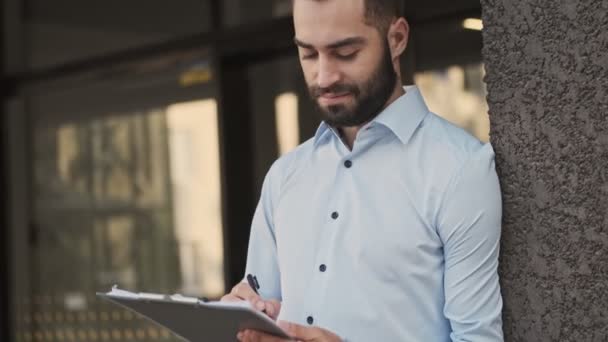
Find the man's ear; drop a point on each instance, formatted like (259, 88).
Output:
(398, 36)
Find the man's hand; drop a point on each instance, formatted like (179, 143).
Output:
(298, 332)
(243, 291)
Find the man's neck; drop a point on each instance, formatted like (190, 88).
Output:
(349, 134)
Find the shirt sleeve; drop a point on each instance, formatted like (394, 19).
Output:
(469, 223)
(262, 252)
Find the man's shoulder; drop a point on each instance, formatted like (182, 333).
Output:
(445, 138)
(446, 149)
(286, 164)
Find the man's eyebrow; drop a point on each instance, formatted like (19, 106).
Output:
(302, 44)
(346, 42)
(334, 45)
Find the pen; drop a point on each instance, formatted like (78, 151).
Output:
(253, 283)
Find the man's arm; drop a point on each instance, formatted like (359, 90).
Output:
(469, 223)
(262, 253)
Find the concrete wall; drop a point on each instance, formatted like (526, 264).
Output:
(547, 75)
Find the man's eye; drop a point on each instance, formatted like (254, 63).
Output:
(309, 55)
(347, 57)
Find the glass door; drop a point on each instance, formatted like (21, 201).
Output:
(125, 190)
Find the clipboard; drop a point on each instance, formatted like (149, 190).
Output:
(194, 320)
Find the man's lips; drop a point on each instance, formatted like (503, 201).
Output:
(330, 98)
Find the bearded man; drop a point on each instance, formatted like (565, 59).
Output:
(385, 225)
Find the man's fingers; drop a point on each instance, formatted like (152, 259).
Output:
(244, 291)
(256, 336)
(273, 307)
(299, 332)
(230, 298)
(259, 304)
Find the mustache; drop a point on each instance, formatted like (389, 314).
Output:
(316, 91)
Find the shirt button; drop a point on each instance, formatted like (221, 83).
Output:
(322, 268)
(348, 164)
(335, 215)
(310, 320)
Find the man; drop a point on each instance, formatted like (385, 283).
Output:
(385, 225)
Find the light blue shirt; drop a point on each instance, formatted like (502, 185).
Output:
(396, 240)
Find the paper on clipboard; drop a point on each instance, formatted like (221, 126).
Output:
(194, 320)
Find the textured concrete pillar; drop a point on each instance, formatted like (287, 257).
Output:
(547, 75)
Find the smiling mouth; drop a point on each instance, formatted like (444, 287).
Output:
(329, 98)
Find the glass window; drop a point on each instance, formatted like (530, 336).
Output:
(243, 12)
(61, 31)
(130, 198)
(287, 118)
(283, 114)
(458, 94)
(195, 178)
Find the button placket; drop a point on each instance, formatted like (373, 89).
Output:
(324, 257)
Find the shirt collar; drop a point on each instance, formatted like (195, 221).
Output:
(321, 133)
(402, 116)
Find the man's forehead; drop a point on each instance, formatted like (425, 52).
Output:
(324, 22)
(357, 6)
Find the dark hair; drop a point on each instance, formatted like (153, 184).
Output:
(380, 13)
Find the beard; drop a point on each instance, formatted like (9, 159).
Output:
(369, 97)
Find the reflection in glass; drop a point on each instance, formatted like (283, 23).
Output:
(244, 12)
(287, 119)
(195, 178)
(473, 24)
(458, 94)
(132, 199)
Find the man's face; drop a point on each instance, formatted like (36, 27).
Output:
(347, 63)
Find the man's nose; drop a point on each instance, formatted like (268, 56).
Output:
(328, 73)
